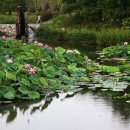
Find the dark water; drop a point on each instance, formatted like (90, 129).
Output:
(88, 111)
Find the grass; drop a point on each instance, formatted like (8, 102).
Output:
(11, 19)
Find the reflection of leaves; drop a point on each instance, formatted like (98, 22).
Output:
(34, 109)
(46, 104)
(12, 115)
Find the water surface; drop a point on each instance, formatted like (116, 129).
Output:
(88, 111)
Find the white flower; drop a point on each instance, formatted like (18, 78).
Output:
(9, 60)
(125, 43)
(69, 51)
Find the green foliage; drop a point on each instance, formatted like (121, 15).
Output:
(29, 70)
(11, 5)
(6, 19)
(71, 37)
(112, 37)
(110, 69)
(121, 51)
(33, 95)
(76, 37)
(98, 10)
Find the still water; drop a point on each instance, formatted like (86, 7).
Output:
(86, 111)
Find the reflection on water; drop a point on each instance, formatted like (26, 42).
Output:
(86, 110)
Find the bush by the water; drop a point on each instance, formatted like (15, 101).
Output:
(81, 36)
(70, 37)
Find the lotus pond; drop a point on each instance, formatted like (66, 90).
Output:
(32, 76)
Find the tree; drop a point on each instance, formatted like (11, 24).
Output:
(11, 5)
(98, 10)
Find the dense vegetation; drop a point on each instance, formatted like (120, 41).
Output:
(104, 11)
(81, 37)
(34, 69)
(98, 10)
(31, 70)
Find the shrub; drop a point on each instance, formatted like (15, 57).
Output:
(80, 37)
(50, 35)
(54, 33)
(70, 37)
(112, 37)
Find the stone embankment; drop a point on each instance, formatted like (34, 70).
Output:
(9, 29)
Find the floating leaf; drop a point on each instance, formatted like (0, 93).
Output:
(110, 69)
(86, 79)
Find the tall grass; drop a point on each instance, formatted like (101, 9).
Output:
(111, 37)
(11, 19)
(84, 37)
(7, 19)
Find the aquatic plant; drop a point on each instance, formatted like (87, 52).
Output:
(32, 69)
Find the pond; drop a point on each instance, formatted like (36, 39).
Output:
(86, 110)
(107, 107)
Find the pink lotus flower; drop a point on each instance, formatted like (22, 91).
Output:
(125, 43)
(9, 60)
(39, 44)
(13, 37)
(89, 60)
(3, 37)
(32, 70)
(27, 66)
